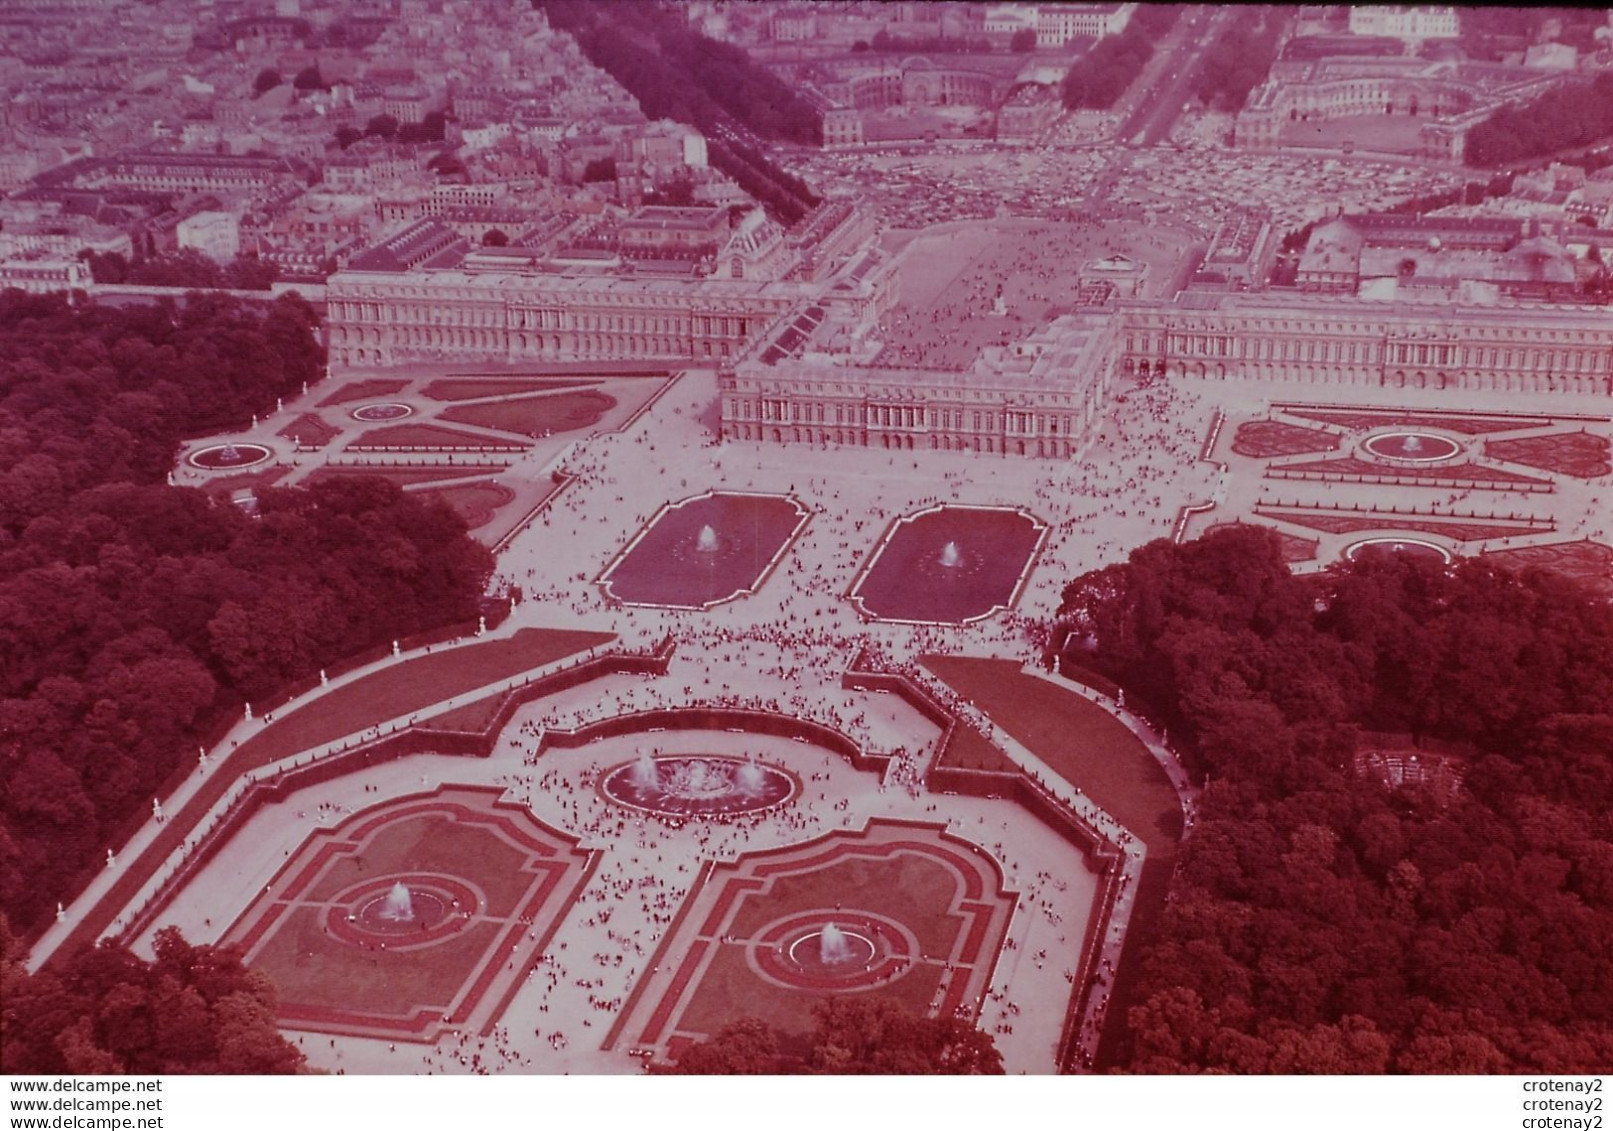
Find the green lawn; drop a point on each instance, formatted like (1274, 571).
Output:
(397, 690)
(1078, 740)
(409, 687)
(311, 969)
(363, 391)
(729, 990)
(470, 389)
(1093, 751)
(968, 749)
(910, 889)
(473, 718)
(431, 843)
(535, 416)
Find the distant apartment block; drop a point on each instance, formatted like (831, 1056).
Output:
(187, 172)
(216, 235)
(793, 25)
(42, 276)
(1397, 21)
(1058, 24)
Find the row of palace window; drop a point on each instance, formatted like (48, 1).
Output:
(780, 410)
(542, 319)
(1405, 353)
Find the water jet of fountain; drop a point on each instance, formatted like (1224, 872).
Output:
(750, 779)
(399, 905)
(833, 945)
(706, 542)
(950, 556)
(646, 773)
(1412, 444)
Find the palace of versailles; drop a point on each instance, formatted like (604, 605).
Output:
(796, 353)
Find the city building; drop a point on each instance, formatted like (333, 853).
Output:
(1058, 24)
(1351, 340)
(1397, 21)
(216, 235)
(380, 318)
(1446, 98)
(1429, 254)
(1039, 397)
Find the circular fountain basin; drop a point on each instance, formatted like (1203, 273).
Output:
(439, 907)
(807, 954)
(868, 951)
(386, 410)
(699, 785)
(1412, 447)
(1401, 547)
(229, 457)
(424, 908)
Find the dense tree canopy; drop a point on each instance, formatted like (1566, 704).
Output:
(1097, 79)
(675, 73)
(851, 1037)
(888, 43)
(1321, 921)
(186, 269)
(135, 616)
(193, 1010)
(599, 169)
(1567, 117)
(1240, 59)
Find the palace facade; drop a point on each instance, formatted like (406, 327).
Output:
(796, 360)
(1447, 98)
(1345, 340)
(380, 318)
(1040, 397)
(1043, 396)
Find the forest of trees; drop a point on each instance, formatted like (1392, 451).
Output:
(851, 1036)
(885, 42)
(677, 74)
(1097, 79)
(1241, 58)
(1568, 117)
(1320, 921)
(193, 1010)
(134, 616)
(186, 268)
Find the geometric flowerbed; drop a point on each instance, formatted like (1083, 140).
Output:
(1266, 439)
(474, 502)
(478, 388)
(918, 917)
(535, 416)
(310, 431)
(1349, 467)
(1294, 548)
(1589, 562)
(1334, 523)
(362, 391)
(1360, 421)
(408, 437)
(488, 884)
(1580, 454)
